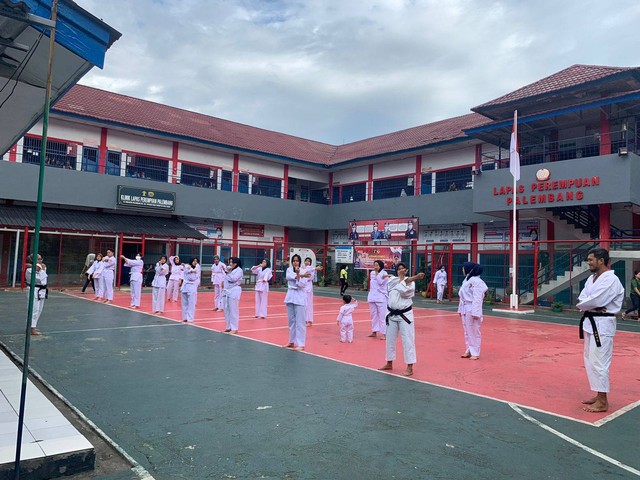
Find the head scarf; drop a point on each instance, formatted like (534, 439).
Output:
(472, 269)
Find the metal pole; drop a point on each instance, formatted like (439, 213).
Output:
(15, 259)
(36, 240)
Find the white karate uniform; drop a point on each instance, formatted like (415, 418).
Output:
(39, 293)
(440, 281)
(108, 274)
(95, 271)
(296, 300)
(345, 319)
(158, 287)
(400, 297)
(189, 290)
(135, 280)
(231, 298)
(471, 295)
(262, 290)
(378, 298)
(176, 276)
(307, 286)
(218, 274)
(607, 292)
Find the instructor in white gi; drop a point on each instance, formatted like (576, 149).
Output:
(471, 295)
(600, 301)
(400, 318)
(440, 281)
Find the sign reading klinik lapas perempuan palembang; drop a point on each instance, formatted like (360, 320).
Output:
(146, 199)
(546, 191)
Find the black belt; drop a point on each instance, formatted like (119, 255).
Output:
(590, 315)
(398, 313)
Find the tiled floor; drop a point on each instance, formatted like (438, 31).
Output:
(46, 431)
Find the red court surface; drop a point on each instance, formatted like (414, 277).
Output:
(533, 364)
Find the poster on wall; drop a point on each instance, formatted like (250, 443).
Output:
(528, 232)
(384, 229)
(251, 230)
(344, 255)
(455, 233)
(210, 230)
(304, 253)
(365, 256)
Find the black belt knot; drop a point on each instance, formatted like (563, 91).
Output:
(590, 315)
(398, 313)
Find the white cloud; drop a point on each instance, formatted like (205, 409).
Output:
(338, 71)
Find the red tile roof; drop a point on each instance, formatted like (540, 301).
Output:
(569, 77)
(111, 107)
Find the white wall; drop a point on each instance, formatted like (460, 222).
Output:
(205, 156)
(449, 159)
(74, 132)
(261, 167)
(117, 140)
(351, 175)
(270, 231)
(395, 168)
(308, 174)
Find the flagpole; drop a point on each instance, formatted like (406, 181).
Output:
(514, 229)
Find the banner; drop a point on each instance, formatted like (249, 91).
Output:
(365, 256)
(144, 198)
(251, 230)
(344, 255)
(384, 229)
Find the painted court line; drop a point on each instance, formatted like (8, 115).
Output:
(566, 438)
(616, 414)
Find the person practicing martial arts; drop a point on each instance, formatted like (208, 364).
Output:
(296, 300)
(84, 273)
(440, 281)
(135, 278)
(108, 273)
(159, 285)
(471, 295)
(175, 278)
(600, 301)
(377, 298)
(95, 273)
(400, 318)
(40, 292)
(231, 295)
(345, 319)
(189, 289)
(309, 272)
(263, 275)
(218, 274)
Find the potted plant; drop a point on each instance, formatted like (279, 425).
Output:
(557, 306)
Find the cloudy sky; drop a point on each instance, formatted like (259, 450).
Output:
(337, 71)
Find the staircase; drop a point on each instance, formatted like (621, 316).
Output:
(585, 218)
(576, 274)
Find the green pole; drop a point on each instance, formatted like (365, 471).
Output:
(36, 240)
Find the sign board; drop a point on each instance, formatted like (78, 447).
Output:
(251, 230)
(146, 198)
(384, 229)
(365, 256)
(344, 255)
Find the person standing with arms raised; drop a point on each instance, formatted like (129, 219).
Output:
(135, 278)
(263, 275)
(600, 301)
(108, 273)
(377, 299)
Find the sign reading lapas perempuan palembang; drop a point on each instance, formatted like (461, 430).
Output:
(147, 199)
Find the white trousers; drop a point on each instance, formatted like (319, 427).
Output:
(308, 316)
(136, 292)
(597, 361)
(231, 312)
(472, 335)
(188, 306)
(173, 289)
(107, 279)
(262, 300)
(297, 326)
(38, 305)
(407, 336)
(99, 284)
(378, 312)
(217, 293)
(157, 299)
(346, 331)
(440, 291)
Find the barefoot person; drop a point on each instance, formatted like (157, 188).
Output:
(471, 295)
(600, 301)
(400, 318)
(296, 301)
(39, 290)
(377, 299)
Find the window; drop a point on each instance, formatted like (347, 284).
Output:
(456, 179)
(267, 187)
(227, 177)
(393, 188)
(253, 256)
(113, 163)
(90, 157)
(59, 154)
(355, 192)
(320, 196)
(148, 168)
(425, 183)
(196, 176)
(243, 183)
